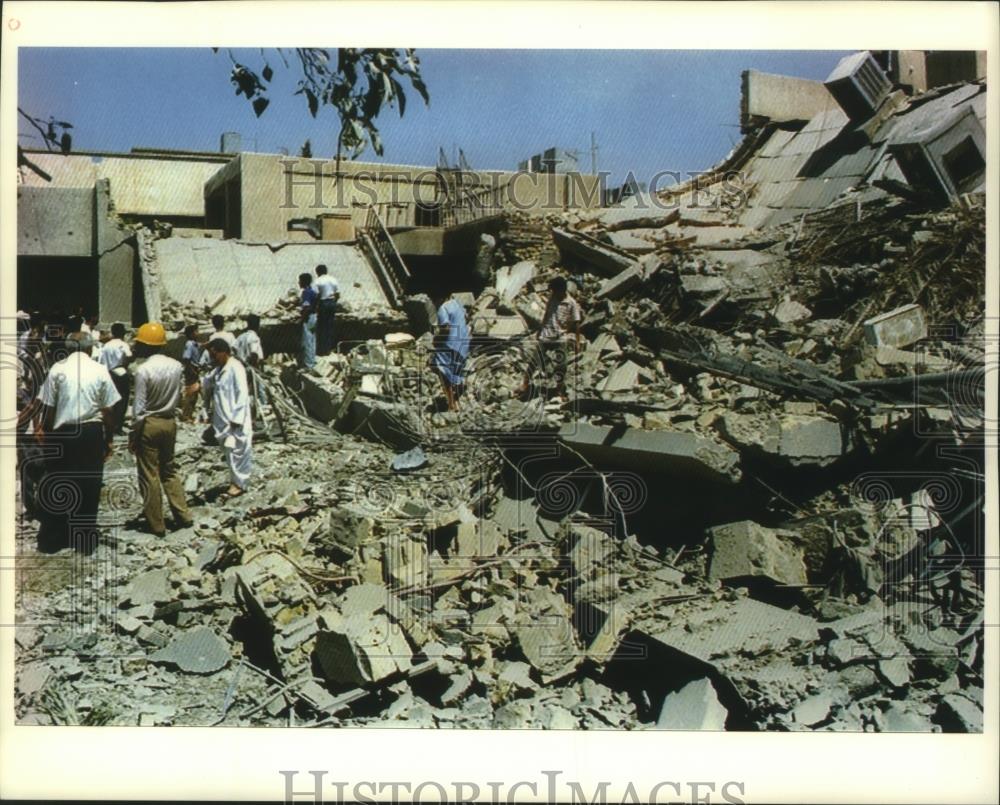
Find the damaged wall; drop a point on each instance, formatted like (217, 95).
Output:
(780, 99)
(142, 185)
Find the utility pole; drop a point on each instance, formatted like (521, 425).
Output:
(593, 153)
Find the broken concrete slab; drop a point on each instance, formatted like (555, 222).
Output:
(420, 313)
(622, 378)
(349, 527)
(696, 706)
(633, 241)
(798, 440)
(196, 651)
(605, 344)
(745, 548)
(548, 642)
(897, 328)
(813, 710)
(409, 460)
(589, 547)
(606, 259)
(623, 282)
(405, 561)
(478, 538)
(361, 650)
(899, 718)
(615, 219)
(458, 687)
(697, 285)
(32, 678)
(553, 717)
(788, 311)
(152, 587)
(523, 517)
(497, 325)
(668, 451)
(728, 630)
(514, 715)
(510, 280)
(956, 713)
(895, 671)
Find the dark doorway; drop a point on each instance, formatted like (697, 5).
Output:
(57, 283)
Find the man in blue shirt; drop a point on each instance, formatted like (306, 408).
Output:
(451, 348)
(308, 316)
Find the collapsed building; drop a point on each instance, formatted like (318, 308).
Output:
(759, 505)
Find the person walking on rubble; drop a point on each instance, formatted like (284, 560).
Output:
(158, 385)
(76, 417)
(451, 347)
(115, 356)
(191, 361)
(308, 317)
(232, 418)
(250, 351)
(328, 292)
(560, 325)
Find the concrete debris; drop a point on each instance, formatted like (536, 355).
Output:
(361, 649)
(694, 707)
(195, 651)
(410, 460)
(813, 710)
(744, 549)
(788, 311)
(897, 328)
(677, 452)
(149, 588)
(511, 279)
(695, 519)
(795, 439)
(956, 713)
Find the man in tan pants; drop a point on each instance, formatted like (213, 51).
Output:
(158, 384)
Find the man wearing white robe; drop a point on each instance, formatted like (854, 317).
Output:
(232, 418)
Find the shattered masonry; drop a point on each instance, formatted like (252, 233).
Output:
(758, 506)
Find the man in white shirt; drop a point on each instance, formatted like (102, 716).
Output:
(560, 327)
(115, 356)
(158, 384)
(77, 398)
(89, 327)
(220, 331)
(232, 419)
(247, 346)
(328, 292)
(250, 351)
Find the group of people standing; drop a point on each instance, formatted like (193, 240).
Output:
(66, 431)
(318, 307)
(85, 378)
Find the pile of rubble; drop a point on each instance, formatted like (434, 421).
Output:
(707, 531)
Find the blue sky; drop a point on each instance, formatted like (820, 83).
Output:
(664, 110)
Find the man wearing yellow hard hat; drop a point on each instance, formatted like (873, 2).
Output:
(158, 385)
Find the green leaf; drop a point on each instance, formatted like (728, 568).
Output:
(259, 105)
(267, 72)
(312, 100)
(398, 92)
(418, 85)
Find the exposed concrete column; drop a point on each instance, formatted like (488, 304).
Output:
(116, 258)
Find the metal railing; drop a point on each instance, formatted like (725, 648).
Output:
(376, 241)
